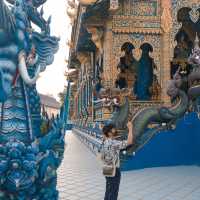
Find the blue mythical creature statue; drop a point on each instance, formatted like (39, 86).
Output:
(29, 157)
(160, 117)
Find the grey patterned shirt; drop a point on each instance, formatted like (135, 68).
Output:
(110, 151)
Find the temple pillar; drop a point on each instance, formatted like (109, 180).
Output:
(166, 25)
(166, 67)
(108, 74)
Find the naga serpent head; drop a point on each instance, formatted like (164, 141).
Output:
(13, 59)
(194, 76)
(116, 99)
(194, 58)
(113, 96)
(19, 53)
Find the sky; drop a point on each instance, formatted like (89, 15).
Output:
(52, 81)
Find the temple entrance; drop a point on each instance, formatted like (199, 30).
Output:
(185, 39)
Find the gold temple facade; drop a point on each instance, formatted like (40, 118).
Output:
(112, 40)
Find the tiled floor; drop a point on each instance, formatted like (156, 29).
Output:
(79, 178)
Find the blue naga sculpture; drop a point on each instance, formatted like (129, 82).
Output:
(186, 99)
(28, 157)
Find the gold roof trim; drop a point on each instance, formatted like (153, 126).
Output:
(137, 30)
(137, 18)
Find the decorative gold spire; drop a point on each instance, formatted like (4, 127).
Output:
(166, 18)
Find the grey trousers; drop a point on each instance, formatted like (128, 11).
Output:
(112, 186)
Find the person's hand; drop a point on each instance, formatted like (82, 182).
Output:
(129, 125)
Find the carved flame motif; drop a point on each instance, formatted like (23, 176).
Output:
(166, 18)
(97, 34)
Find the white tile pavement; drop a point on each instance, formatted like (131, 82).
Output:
(79, 178)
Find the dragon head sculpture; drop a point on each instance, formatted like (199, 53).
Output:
(22, 49)
(29, 7)
(116, 99)
(194, 76)
(28, 159)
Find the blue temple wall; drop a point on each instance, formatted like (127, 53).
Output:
(170, 148)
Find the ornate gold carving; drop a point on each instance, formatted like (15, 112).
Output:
(155, 91)
(144, 8)
(97, 34)
(108, 56)
(83, 57)
(136, 24)
(166, 18)
(72, 10)
(136, 106)
(137, 30)
(166, 25)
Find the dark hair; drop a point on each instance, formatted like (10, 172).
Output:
(107, 128)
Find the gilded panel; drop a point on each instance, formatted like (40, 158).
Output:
(144, 8)
(138, 16)
(128, 23)
(120, 10)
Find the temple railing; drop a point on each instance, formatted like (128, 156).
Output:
(90, 138)
(103, 112)
(94, 142)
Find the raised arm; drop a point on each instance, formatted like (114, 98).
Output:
(125, 143)
(130, 133)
